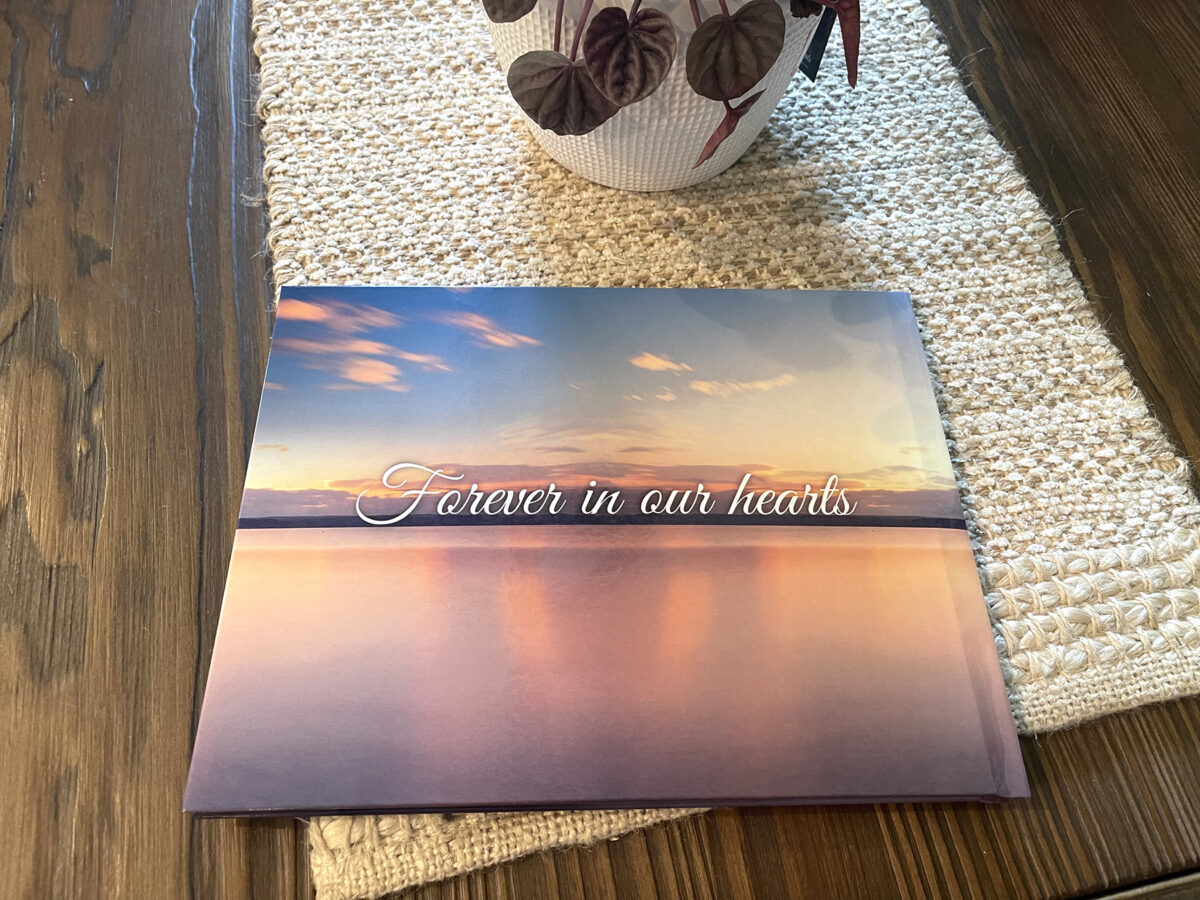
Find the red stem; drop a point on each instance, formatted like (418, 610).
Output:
(633, 9)
(583, 17)
(558, 24)
(696, 14)
(724, 8)
(849, 20)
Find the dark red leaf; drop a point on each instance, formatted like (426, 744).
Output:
(729, 54)
(508, 10)
(629, 60)
(558, 94)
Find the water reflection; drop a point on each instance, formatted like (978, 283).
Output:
(568, 665)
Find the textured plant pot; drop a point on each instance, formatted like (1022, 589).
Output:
(653, 144)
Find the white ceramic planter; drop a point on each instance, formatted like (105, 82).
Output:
(653, 144)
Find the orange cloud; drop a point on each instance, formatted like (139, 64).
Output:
(424, 360)
(656, 363)
(337, 315)
(333, 345)
(374, 372)
(726, 389)
(369, 371)
(486, 332)
(361, 347)
(299, 311)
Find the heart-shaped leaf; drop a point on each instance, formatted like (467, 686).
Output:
(733, 115)
(558, 94)
(508, 10)
(728, 55)
(802, 9)
(629, 60)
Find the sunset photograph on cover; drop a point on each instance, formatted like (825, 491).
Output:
(734, 623)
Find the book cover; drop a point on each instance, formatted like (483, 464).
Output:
(519, 548)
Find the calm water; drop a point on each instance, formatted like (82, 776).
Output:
(577, 665)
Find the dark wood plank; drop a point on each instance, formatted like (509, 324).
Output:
(133, 326)
(1099, 100)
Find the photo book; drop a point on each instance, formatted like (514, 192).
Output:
(550, 548)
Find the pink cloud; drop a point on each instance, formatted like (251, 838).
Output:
(300, 311)
(337, 315)
(486, 332)
(656, 363)
(374, 372)
(358, 372)
(424, 360)
(333, 345)
(725, 389)
(359, 347)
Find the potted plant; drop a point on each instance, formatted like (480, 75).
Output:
(655, 94)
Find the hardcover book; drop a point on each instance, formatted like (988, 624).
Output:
(522, 548)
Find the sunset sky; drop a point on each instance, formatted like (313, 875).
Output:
(640, 388)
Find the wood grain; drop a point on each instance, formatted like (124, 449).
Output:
(1100, 102)
(133, 332)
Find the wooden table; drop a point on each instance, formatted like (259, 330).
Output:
(133, 335)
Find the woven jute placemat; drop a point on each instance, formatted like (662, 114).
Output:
(394, 155)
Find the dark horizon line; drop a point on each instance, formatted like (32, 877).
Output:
(419, 521)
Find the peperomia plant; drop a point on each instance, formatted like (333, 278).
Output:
(626, 56)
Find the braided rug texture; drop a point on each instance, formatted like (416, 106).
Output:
(395, 155)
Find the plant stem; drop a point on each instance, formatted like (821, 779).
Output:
(849, 20)
(724, 8)
(697, 16)
(558, 24)
(583, 17)
(633, 9)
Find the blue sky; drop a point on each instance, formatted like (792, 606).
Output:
(514, 384)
